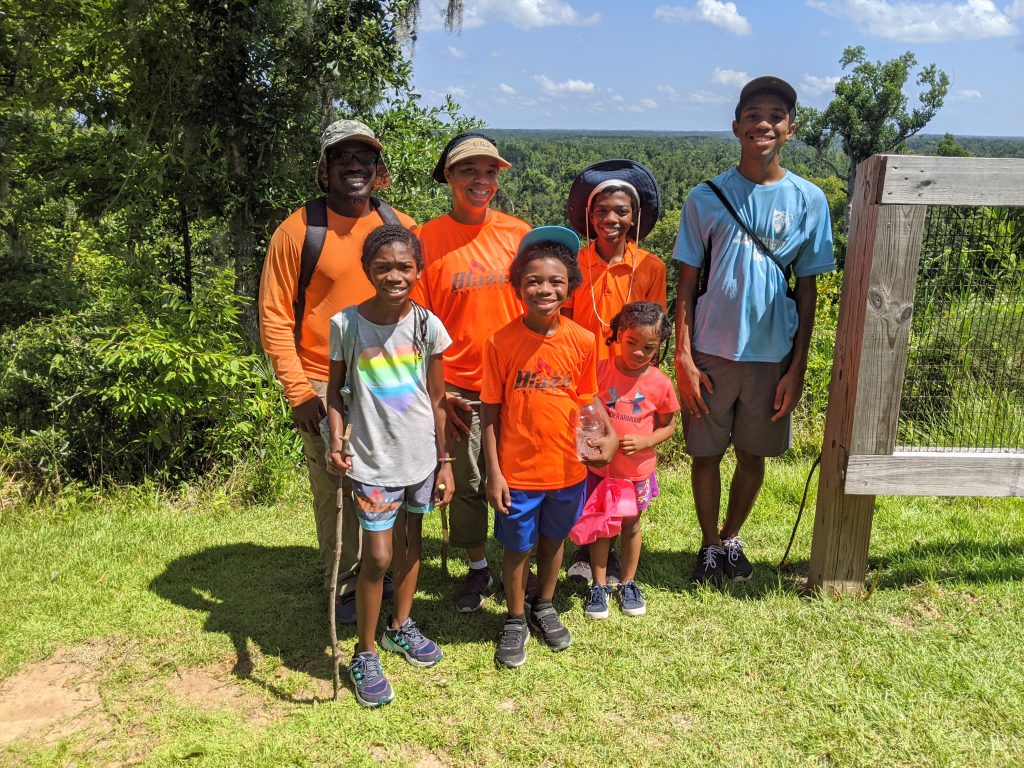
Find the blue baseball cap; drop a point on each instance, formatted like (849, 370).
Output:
(550, 234)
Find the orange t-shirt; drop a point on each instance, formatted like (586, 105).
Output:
(466, 284)
(608, 287)
(540, 382)
(338, 282)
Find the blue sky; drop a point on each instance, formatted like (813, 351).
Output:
(661, 66)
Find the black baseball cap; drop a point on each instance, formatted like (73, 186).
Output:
(769, 84)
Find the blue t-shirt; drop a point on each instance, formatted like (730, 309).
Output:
(745, 314)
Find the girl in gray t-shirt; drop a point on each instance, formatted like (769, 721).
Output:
(386, 355)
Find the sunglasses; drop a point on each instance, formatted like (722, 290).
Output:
(363, 156)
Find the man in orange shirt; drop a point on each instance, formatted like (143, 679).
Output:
(467, 253)
(348, 171)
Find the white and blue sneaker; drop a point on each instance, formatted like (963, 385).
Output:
(631, 599)
(596, 606)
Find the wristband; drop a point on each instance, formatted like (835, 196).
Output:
(446, 459)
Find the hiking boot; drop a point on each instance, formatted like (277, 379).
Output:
(596, 606)
(614, 570)
(420, 651)
(631, 599)
(477, 586)
(345, 609)
(545, 622)
(511, 650)
(736, 565)
(579, 571)
(708, 568)
(372, 689)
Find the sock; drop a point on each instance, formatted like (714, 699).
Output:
(517, 618)
(476, 565)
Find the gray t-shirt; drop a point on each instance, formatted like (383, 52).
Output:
(388, 404)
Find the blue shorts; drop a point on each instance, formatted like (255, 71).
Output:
(532, 514)
(377, 506)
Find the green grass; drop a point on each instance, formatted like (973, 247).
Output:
(925, 669)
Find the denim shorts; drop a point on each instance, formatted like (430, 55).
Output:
(533, 514)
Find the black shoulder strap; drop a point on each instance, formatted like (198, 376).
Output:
(750, 233)
(312, 245)
(386, 212)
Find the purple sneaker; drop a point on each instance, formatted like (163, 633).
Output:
(419, 650)
(372, 689)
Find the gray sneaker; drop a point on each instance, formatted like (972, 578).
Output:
(372, 689)
(579, 571)
(544, 621)
(477, 586)
(418, 649)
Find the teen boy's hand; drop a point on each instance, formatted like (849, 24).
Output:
(444, 485)
(606, 446)
(497, 493)
(689, 380)
(460, 413)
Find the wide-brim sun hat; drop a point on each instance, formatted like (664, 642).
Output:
(351, 130)
(550, 234)
(634, 175)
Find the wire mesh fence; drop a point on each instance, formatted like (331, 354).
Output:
(964, 383)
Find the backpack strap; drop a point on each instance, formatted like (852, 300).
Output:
(786, 271)
(313, 246)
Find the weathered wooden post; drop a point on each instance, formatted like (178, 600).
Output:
(859, 455)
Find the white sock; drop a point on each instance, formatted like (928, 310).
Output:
(476, 565)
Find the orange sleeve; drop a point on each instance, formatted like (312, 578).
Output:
(278, 287)
(492, 390)
(587, 388)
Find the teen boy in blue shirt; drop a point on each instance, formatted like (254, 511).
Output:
(741, 347)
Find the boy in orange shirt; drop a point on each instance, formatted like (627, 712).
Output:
(467, 252)
(538, 372)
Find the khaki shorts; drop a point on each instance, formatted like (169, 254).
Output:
(741, 409)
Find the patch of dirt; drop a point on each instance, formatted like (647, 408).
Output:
(55, 698)
(214, 688)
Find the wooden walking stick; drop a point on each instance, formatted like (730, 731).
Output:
(339, 501)
(443, 509)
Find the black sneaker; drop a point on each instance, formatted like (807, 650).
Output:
(545, 622)
(477, 586)
(736, 565)
(389, 587)
(345, 609)
(511, 650)
(708, 568)
(614, 571)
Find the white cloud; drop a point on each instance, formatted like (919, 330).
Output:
(965, 94)
(721, 14)
(455, 53)
(617, 99)
(643, 105)
(524, 14)
(705, 97)
(1015, 10)
(456, 90)
(924, 22)
(569, 86)
(813, 85)
(668, 90)
(730, 77)
(508, 90)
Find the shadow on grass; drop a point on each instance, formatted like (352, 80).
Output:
(268, 598)
(964, 561)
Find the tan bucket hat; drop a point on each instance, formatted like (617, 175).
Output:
(351, 130)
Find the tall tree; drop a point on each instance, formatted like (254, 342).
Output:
(869, 112)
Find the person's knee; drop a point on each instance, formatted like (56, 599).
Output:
(749, 462)
(707, 463)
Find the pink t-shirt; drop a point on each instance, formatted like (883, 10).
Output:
(632, 402)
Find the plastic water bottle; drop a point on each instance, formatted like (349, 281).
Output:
(591, 425)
